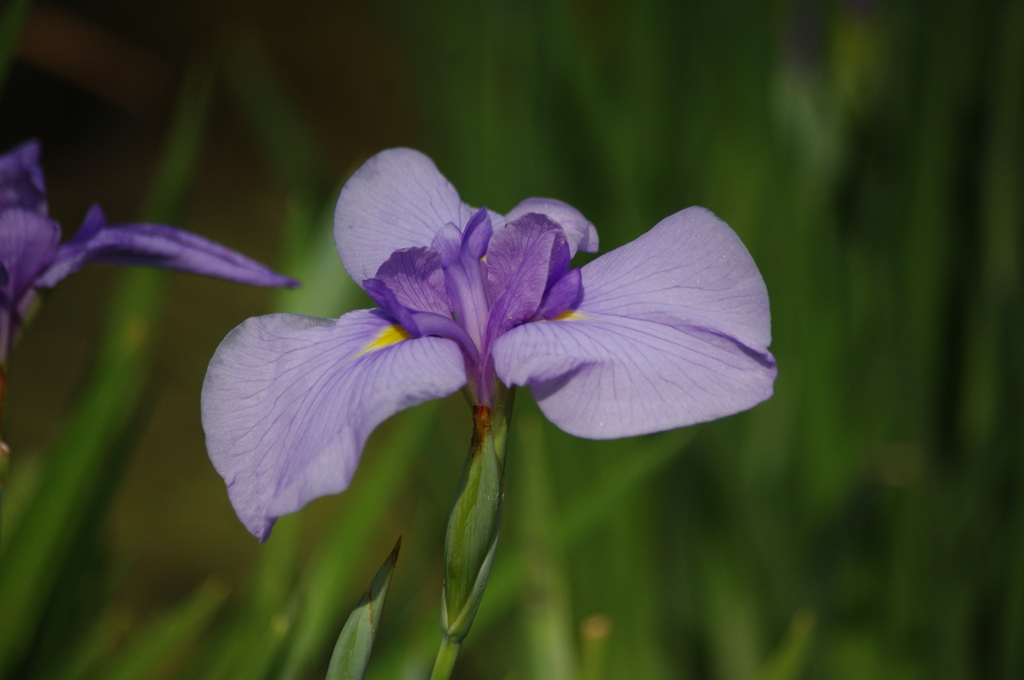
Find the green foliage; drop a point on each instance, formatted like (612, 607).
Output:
(352, 651)
(87, 460)
(162, 641)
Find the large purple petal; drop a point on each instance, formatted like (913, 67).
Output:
(690, 270)
(159, 246)
(672, 330)
(21, 179)
(608, 377)
(397, 199)
(289, 401)
(580, 233)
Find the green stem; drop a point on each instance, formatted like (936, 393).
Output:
(445, 661)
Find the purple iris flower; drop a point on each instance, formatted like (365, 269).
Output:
(670, 330)
(32, 257)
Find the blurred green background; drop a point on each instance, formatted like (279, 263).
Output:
(866, 522)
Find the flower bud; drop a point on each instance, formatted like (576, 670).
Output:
(475, 520)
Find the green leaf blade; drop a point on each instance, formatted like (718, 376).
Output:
(352, 651)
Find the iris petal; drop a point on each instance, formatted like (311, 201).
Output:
(389, 304)
(690, 270)
(509, 246)
(477, 234)
(672, 330)
(564, 294)
(289, 401)
(397, 199)
(605, 377)
(525, 290)
(416, 278)
(579, 232)
(21, 179)
(28, 244)
(154, 245)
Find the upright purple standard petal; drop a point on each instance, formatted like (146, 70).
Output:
(396, 200)
(155, 245)
(289, 401)
(580, 233)
(21, 179)
(28, 242)
(672, 329)
(526, 257)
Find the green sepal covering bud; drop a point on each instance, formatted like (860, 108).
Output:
(352, 651)
(476, 518)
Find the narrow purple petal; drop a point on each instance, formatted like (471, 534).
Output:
(21, 179)
(159, 246)
(580, 233)
(417, 323)
(673, 329)
(464, 274)
(397, 199)
(447, 243)
(289, 401)
(560, 260)
(389, 304)
(95, 219)
(428, 323)
(565, 294)
(477, 234)
(417, 280)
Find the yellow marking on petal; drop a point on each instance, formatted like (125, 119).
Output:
(571, 315)
(388, 336)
